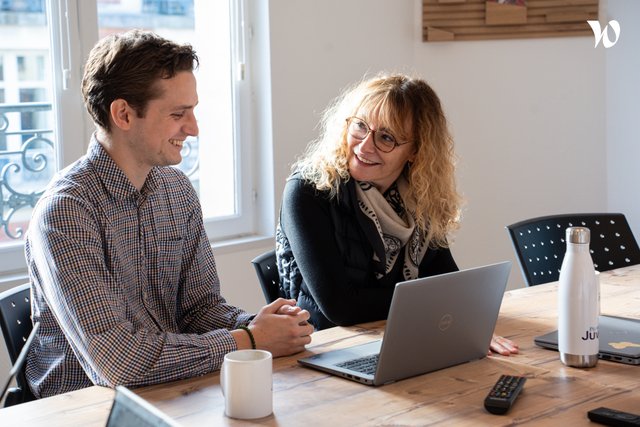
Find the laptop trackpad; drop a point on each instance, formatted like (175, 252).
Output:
(335, 357)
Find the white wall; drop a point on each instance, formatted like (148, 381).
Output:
(623, 112)
(527, 115)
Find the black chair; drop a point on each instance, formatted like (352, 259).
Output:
(15, 321)
(540, 243)
(267, 271)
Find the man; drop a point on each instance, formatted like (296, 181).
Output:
(123, 278)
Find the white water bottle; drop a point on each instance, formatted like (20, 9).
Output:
(578, 341)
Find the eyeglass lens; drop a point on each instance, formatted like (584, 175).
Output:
(383, 140)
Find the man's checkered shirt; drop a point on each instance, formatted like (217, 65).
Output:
(124, 282)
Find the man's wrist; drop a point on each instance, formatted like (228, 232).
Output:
(250, 334)
(241, 338)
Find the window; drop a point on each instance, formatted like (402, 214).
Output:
(43, 125)
(31, 67)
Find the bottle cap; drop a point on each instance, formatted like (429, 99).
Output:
(578, 235)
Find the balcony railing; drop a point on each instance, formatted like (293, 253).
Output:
(27, 164)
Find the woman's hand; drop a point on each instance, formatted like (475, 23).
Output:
(503, 346)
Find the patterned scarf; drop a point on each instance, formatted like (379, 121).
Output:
(394, 217)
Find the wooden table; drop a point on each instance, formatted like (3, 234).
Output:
(553, 395)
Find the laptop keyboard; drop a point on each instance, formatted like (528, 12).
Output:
(365, 365)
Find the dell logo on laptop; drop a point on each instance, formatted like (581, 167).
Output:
(445, 322)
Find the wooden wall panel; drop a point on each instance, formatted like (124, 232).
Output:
(451, 20)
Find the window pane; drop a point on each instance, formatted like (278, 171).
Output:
(31, 67)
(208, 160)
(27, 155)
(27, 123)
(3, 137)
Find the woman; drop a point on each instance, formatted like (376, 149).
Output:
(370, 204)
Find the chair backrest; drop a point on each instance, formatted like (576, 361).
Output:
(267, 271)
(15, 322)
(540, 243)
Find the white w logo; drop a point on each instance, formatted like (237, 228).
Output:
(603, 35)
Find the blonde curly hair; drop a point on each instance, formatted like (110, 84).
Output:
(396, 100)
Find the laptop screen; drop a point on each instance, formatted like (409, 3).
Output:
(129, 409)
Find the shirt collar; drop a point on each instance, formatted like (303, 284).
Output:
(113, 178)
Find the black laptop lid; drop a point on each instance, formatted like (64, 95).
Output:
(619, 339)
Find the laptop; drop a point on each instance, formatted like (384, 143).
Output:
(434, 323)
(22, 357)
(131, 410)
(619, 339)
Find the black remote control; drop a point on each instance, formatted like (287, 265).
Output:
(503, 394)
(612, 417)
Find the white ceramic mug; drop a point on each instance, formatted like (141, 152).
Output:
(247, 384)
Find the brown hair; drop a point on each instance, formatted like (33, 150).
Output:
(394, 99)
(127, 66)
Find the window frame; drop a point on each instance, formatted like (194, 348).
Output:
(74, 32)
(242, 223)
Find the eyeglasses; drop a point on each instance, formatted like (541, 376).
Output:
(382, 140)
